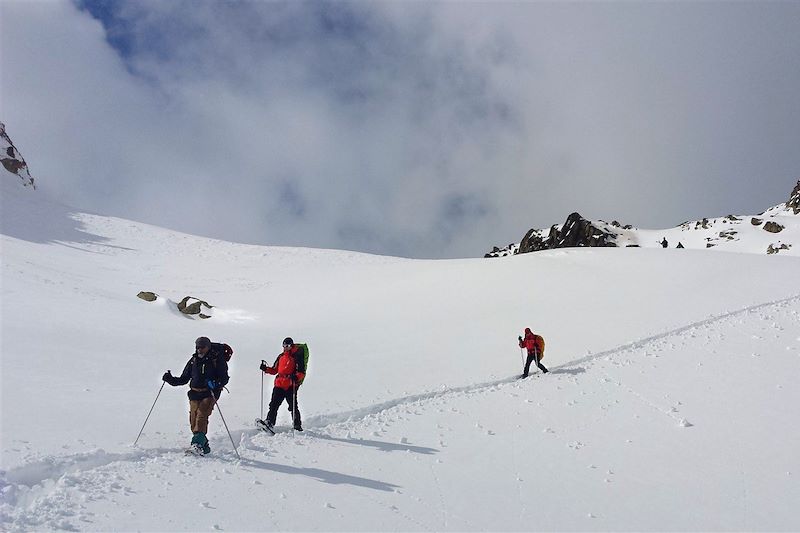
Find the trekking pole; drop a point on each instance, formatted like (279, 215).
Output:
(151, 411)
(262, 391)
(294, 402)
(216, 404)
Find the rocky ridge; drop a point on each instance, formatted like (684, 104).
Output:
(775, 230)
(12, 160)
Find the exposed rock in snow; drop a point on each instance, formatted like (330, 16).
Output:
(12, 160)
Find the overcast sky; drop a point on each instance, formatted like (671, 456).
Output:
(412, 129)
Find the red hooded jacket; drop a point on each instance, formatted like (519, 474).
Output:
(288, 365)
(532, 342)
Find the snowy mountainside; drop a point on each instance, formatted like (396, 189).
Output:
(776, 230)
(669, 405)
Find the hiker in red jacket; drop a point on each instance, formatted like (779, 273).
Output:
(289, 370)
(534, 344)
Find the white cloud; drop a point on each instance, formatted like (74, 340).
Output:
(431, 130)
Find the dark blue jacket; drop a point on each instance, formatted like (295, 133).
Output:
(199, 370)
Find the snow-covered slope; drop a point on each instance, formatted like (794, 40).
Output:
(777, 230)
(671, 403)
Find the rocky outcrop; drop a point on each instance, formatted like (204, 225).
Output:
(774, 248)
(773, 227)
(191, 306)
(511, 249)
(575, 232)
(12, 160)
(194, 306)
(794, 199)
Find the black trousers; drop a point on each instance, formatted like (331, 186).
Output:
(278, 396)
(531, 357)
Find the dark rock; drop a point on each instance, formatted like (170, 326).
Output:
(575, 232)
(773, 227)
(148, 296)
(192, 308)
(14, 162)
(701, 224)
(12, 165)
(756, 221)
(733, 218)
(771, 249)
(794, 199)
(680, 245)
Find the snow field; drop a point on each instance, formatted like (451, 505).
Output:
(594, 445)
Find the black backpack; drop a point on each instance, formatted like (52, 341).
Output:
(223, 349)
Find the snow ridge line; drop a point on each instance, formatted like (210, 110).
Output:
(661, 336)
(320, 421)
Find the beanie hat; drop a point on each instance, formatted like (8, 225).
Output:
(202, 342)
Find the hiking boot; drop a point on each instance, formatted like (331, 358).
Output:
(298, 428)
(200, 442)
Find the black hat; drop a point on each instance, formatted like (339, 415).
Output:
(202, 342)
(288, 341)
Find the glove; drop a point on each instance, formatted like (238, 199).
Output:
(167, 376)
(520, 339)
(211, 384)
(217, 393)
(299, 377)
(263, 366)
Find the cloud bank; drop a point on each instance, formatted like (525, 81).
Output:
(423, 130)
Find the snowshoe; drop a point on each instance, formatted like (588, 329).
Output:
(264, 426)
(196, 449)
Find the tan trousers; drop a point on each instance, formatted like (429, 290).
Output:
(199, 411)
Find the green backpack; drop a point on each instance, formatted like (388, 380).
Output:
(304, 349)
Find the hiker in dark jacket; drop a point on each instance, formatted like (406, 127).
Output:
(206, 373)
(289, 370)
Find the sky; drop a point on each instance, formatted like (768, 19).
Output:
(427, 130)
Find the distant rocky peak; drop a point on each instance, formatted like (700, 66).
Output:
(12, 160)
(794, 199)
(575, 232)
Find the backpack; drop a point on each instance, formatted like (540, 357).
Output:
(538, 342)
(222, 348)
(304, 349)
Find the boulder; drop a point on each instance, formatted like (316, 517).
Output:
(773, 227)
(148, 296)
(193, 306)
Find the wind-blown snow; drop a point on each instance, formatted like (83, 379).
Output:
(671, 402)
